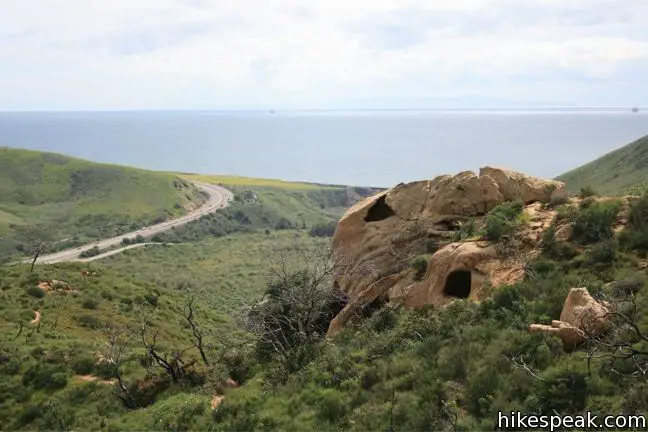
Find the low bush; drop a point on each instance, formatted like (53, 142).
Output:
(594, 224)
(503, 220)
(467, 229)
(323, 230)
(35, 291)
(94, 251)
(587, 192)
(89, 321)
(90, 303)
(604, 252)
(419, 264)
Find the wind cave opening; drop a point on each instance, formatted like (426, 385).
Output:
(458, 284)
(379, 211)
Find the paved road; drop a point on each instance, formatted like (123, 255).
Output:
(219, 198)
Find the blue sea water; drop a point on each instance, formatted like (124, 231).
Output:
(359, 148)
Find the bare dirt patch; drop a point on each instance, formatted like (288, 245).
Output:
(92, 378)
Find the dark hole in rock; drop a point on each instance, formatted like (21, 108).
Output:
(458, 284)
(379, 211)
(337, 302)
(371, 308)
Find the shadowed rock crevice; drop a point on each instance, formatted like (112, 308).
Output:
(379, 211)
(458, 284)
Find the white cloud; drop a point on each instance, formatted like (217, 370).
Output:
(202, 53)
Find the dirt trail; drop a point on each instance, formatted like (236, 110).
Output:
(92, 378)
(37, 318)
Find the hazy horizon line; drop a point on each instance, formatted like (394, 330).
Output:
(278, 109)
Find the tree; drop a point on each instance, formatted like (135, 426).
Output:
(195, 330)
(625, 345)
(113, 353)
(296, 310)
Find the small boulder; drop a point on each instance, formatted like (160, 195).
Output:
(564, 233)
(581, 317)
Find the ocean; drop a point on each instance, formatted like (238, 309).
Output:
(369, 148)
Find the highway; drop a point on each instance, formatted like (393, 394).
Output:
(219, 198)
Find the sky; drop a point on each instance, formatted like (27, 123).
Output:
(246, 54)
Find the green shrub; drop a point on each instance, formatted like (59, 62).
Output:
(587, 192)
(554, 249)
(629, 286)
(587, 202)
(635, 236)
(566, 212)
(35, 291)
(50, 377)
(283, 224)
(503, 220)
(419, 264)
(90, 303)
(151, 299)
(94, 251)
(603, 252)
(556, 201)
(323, 230)
(83, 365)
(467, 229)
(496, 228)
(594, 224)
(238, 364)
(89, 321)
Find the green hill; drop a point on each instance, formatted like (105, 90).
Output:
(54, 198)
(621, 171)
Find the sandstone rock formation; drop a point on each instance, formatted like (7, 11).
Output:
(456, 271)
(517, 186)
(582, 316)
(377, 238)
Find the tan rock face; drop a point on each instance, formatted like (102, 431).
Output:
(582, 316)
(377, 238)
(371, 238)
(516, 186)
(456, 271)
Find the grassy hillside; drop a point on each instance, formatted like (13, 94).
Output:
(256, 182)
(261, 205)
(624, 170)
(46, 196)
(51, 375)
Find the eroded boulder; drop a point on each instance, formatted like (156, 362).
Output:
(581, 317)
(377, 238)
(460, 270)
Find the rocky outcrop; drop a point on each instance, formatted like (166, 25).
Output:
(377, 238)
(517, 186)
(581, 317)
(458, 270)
